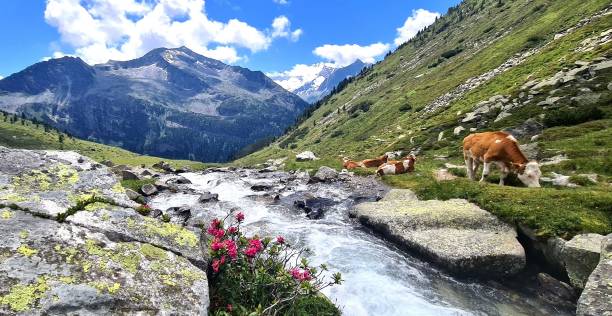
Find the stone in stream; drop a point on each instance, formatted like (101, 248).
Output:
(148, 189)
(261, 187)
(48, 183)
(208, 197)
(455, 234)
(556, 292)
(596, 299)
(315, 207)
(580, 257)
(50, 268)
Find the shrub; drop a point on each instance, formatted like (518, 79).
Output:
(450, 53)
(568, 117)
(405, 107)
(144, 209)
(255, 276)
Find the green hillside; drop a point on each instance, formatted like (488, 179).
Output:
(483, 56)
(17, 132)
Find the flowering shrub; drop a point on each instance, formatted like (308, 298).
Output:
(255, 276)
(144, 209)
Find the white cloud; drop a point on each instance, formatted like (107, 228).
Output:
(281, 1)
(99, 30)
(1, 77)
(281, 27)
(343, 55)
(298, 75)
(419, 20)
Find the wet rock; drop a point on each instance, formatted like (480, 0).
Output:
(455, 234)
(161, 185)
(146, 173)
(178, 180)
(155, 213)
(580, 256)
(306, 156)
(164, 166)
(184, 169)
(315, 207)
(596, 299)
(48, 268)
(48, 183)
(148, 189)
(325, 174)
(208, 197)
(179, 215)
(261, 187)
(556, 292)
(129, 175)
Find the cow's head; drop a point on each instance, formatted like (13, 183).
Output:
(411, 159)
(384, 157)
(529, 174)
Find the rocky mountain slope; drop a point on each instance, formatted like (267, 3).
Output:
(327, 79)
(171, 102)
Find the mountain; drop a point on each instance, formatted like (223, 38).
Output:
(171, 103)
(327, 79)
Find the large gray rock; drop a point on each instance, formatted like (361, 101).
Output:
(325, 174)
(48, 183)
(596, 299)
(580, 256)
(57, 269)
(456, 234)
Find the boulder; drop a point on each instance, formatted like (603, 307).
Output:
(580, 257)
(129, 175)
(148, 189)
(455, 234)
(596, 299)
(133, 195)
(261, 187)
(306, 156)
(556, 292)
(208, 197)
(325, 174)
(315, 207)
(50, 268)
(48, 183)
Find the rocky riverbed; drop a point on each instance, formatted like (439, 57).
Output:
(74, 242)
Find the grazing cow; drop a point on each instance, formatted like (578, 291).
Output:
(350, 164)
(502, 149)
(373, 163)
(397, 167)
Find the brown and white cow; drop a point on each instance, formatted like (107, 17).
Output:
(502, 149)
(376, 162)
(350, 164)
(397, 167)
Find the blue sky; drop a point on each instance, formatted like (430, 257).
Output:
(268, 35)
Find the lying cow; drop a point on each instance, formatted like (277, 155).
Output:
(350, 164)
(502, 149)
(397, 167)
(373, 163)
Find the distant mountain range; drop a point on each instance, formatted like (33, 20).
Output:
(171, 102)
(327, 79)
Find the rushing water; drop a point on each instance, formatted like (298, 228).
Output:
(379, 278)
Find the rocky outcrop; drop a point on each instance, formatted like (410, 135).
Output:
(580, 256)
(455, 234)
(72, 243)
(55, 269)
(596, 299)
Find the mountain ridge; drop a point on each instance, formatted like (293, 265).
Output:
(171, 103)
